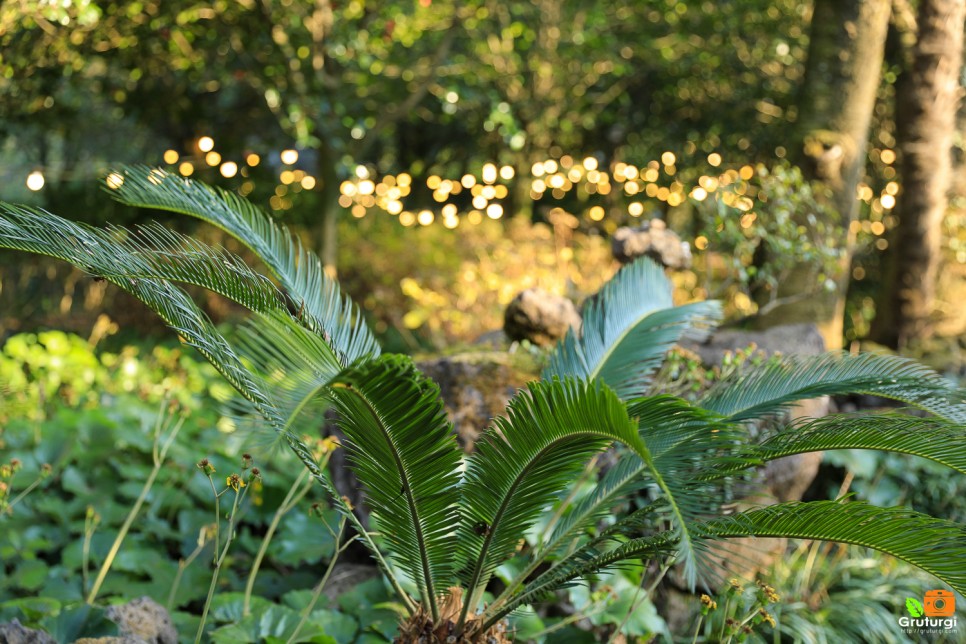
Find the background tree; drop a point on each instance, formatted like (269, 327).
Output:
(927, 96)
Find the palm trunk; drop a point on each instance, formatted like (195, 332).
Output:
(927, 97)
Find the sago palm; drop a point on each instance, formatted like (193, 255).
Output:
(445, 522)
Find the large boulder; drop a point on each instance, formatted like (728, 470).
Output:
(540, 317)
(16, 633)
(654, 239)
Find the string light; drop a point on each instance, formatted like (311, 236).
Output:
(35, 180)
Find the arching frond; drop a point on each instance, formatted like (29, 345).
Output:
(627, 329)
(935, 545)
(297, 269)
(402, 449)
(934, 438)
(149, 252)
(524, 460)
(772, 387)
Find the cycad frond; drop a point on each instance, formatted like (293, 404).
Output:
(627, 329)
(935, 545)
(149, 252)
(298, 269)
(772, 387)
(295, 364)
(934, 438)
(402, 448)
(524, 461)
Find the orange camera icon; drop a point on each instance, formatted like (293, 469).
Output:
(939, 603)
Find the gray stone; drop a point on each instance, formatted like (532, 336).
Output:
(540, 317)
(654, 239)
(142, 619)
(16, 633)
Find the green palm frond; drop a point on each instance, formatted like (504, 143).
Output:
(297, 268)
(934, 545)
(627, 329)
(295, 364)
(402, 448)
(933, 438)
(149, 252)
(772, 387)
(36, 231)
(525, 460)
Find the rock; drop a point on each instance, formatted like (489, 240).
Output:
(540, 317)
(141, 620)
(788, 339)
(654, 239)
(16, 633)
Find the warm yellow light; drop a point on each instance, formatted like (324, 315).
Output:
(358, 211)
(746, 172)
(698, 193)
(636, 209)
(289, 156)
(115, 181)
(549, 166)
(451, 222)
(170, 157)
(229, 169)
(479, 202)
(348, 188)
(507, 172)
(494, 211)
(714, 159)
(488, 192)
(186, 168)
(407, 218)
(590, 163)
(877, 227)
(892, 188)
(537, 170)
(308, 182)
(888, 201)
(701, 242)
(366, 187)
(433, 181)
(501, 192)
(212, 158)
(596, 213)
(394, 207)
(888, 157)
(449, 210)
(668, 158)
(253, 159)
(468, 181)
(403, 179)
(206, 144)
(35, 180)
(425, 217)
(489, 173)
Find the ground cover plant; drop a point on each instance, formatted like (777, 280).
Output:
(444, 522)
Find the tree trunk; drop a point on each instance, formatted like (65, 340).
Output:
(927, 97)
(838, 96)
(326, 229)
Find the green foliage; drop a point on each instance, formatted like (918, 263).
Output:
(788, 227)
(688, 457)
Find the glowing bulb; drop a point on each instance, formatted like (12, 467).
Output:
(229, 169)
(212, 158)
(35, 180)
(425, 217)
(308, 182)
(253, 159)
(206, 144)
(289, 156)
(170, 157)
(494, 211)
(186, 169)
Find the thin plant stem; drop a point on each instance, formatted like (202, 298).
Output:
(184, 563)
(295, 494)
(639, 598)
(211, 482)
(90, 525)
(317, 592)
(220, 558)
(27, 490)
(697, 629)
(158, 456)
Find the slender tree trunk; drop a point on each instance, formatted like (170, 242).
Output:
(927, 97)
(838, 96)
(326, 229)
